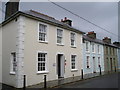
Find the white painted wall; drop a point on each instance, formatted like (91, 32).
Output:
(0, 54)
(9, 34)
(32, 46)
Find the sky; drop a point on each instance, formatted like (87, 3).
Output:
(103, 14)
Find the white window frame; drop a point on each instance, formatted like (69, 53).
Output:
(11, 63)
(87, 50)
(98, 49)
(93, 46)
(46, 36)
(62, 40)
(87, 62)
(46, 64)
(99, 61)
(75, 69)
(73, 39)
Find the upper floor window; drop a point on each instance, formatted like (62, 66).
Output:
(106, 50)
(93, 48)
(73, 61)
(113, 51)
(72, 39)
(87, 49)
(59, 36)
(42, 32)
(13, 63)
(41, 61)
(98, 48)
(110, 50)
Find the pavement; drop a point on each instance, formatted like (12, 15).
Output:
(106, 81)
(59, 82)
(0, 86)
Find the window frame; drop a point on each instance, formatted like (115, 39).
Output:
(99, 62)
(61, 44)
(12, 71)
(72, 39)
(46, 64)
(46, 36)
(93, 46)
(86, 43)
(87, 62)
(75, 69)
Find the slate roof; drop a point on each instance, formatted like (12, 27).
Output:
(85, 37)
(45, 18)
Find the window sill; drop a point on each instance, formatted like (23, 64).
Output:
(42, 72)
(46, 42)
(12, 73)
(58, 44)
(73, 47)
(74, 70)
(87, 51)
(88, 68)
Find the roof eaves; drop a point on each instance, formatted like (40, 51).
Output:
(41, 19)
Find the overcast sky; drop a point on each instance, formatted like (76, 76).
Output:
(104, 14)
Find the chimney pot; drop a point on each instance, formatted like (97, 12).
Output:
(92, 35)
(107, 40)
(65, 18)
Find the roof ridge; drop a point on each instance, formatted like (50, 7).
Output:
(41, 14)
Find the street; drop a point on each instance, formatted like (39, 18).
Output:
(107, 81)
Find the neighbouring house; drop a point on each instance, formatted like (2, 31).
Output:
(0, 55)
(118, 50)
(110, 55)
(35, 45)
(93, 53)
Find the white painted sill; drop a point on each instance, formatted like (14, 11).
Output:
(87, 51)
(74, 70)
(42, 72)
(58, 44)
(73, 46)
(46, 42)
(12, 73)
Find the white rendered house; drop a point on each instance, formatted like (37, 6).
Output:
(35, 45)
(93, 54)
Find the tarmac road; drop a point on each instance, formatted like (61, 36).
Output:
(106, 81)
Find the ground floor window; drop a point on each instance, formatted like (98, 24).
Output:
(87, 61)
(42, 61)
(13, 63)
(73, 61)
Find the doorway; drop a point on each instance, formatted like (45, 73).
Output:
(111, 65)
(60, 65)
(94, 65)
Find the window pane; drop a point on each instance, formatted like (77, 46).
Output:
(42, 32)
(73, 61)
(41, 61)
(59, 35)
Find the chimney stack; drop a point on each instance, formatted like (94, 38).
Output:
(92, 35)
(12, 6)
(107, 40)
(117, 43)
(67, 21)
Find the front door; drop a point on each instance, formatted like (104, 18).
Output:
(111, 65)
(94, 65)
(60, 65)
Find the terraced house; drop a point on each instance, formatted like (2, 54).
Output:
(93, 53)
(35, 45)
(110, 55)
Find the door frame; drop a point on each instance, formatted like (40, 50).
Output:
(62, 65)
